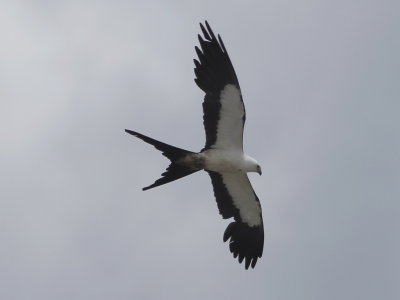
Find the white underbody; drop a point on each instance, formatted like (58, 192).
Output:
(223, 161)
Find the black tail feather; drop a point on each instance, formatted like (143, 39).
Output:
(175, 170)
(171, 152)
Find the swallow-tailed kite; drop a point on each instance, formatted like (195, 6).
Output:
(222, 157)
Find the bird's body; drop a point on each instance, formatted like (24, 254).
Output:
(222, 157)
(221, 160)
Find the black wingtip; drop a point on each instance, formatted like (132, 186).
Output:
(245, 243)
(247, 264)
(205, 22)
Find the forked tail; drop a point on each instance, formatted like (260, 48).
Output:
(176, 169)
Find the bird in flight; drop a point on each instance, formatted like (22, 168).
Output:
(222, 157)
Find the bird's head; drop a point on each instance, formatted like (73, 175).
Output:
(252, 165)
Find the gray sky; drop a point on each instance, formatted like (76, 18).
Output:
(320, 80)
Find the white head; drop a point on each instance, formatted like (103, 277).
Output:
(251, 165)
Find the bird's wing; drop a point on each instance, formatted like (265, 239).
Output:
(236, 198)
(223, 108)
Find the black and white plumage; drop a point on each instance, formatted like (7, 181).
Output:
(222, 157)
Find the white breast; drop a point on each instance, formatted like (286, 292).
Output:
(223, 161)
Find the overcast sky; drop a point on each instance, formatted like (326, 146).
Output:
(320, 80)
